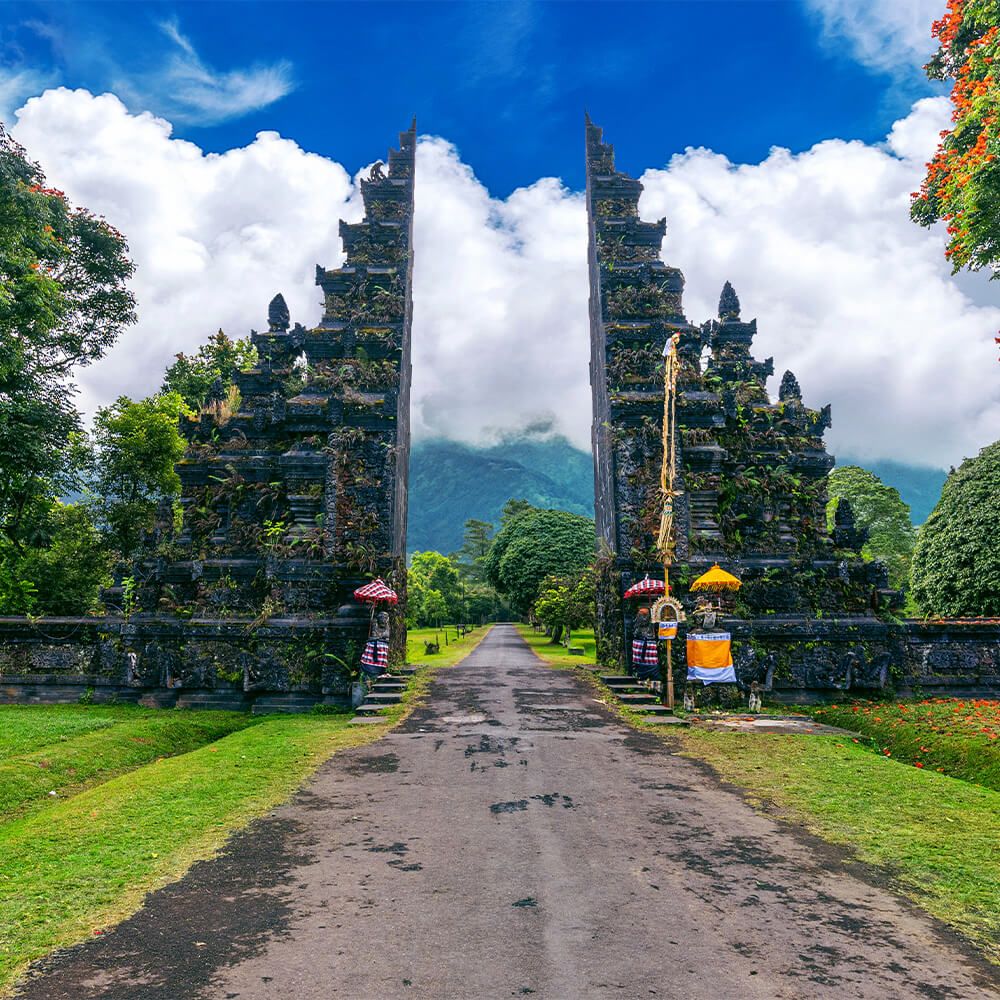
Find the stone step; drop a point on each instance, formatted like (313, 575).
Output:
(652, 709)
(159, 699)
(616, 680)
(369, 708)
(283, 703)
(383, 698)
(385, 686)
(643, 698)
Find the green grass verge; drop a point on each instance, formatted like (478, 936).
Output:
(936, 835)
(957, 737)
(24, 728)
(85, 863)
(556, 654)
(456, 648)
(127, 739)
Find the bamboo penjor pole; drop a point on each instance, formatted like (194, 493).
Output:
(668, 472)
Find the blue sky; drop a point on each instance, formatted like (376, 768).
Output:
(507, 82)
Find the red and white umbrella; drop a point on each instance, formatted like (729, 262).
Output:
(376, 592)
(646, 588)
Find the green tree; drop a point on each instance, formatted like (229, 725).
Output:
(136, 446)
(956, 562)
(881, 511)
(63, 302)
(433, 573)
(535, 544)
(433, 608)
(477, 538)
(962, 184)
(63, 573)
(513, 509)
(218, 361)
(483, 603)
(566, 603)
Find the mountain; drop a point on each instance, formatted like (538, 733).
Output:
(918, 485)
(451, 482)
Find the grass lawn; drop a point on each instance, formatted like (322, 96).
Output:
(74, 746)
(457, 647)
(957, 737)
(936, 835)
(556, 655)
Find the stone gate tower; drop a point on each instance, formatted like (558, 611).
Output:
(752, 472)
(299, 496)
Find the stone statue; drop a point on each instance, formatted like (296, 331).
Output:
(846, 533)
(645, 657)
(380, 627)
(729, 303)
(377, 172)
(642, 625)
(790, 388)
(375, 658)
(278, 316)
(704, 616)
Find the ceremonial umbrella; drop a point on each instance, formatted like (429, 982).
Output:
(646, 588)
(717, 579)
(376, 592)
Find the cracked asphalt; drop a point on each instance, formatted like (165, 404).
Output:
(513, 838)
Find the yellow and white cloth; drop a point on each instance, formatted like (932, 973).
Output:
(710, 658)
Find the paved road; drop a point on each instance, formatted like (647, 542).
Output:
(513, 839)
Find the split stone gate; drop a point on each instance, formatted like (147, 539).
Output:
(293, 501)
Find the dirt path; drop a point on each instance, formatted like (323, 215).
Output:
(514, 839)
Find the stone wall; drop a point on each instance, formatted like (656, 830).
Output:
(280, 665)
(284, 665)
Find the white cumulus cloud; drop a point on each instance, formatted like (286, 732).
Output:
(850, 294)
(500, 329)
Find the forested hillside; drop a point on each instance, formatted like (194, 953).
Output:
(452, 482)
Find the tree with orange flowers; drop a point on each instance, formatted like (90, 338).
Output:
(962, 185)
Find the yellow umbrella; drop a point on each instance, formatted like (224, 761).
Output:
(716, 579)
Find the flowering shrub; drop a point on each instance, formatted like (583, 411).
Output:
(958, 737)
(962, 185)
